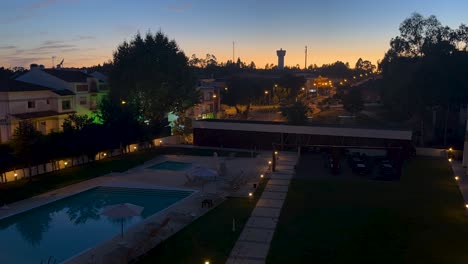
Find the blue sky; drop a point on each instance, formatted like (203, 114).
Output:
(86, 32)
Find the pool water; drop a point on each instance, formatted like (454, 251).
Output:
(171, 165)
(68, 226)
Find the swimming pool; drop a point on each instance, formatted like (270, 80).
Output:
(68, 226)
(171, 165)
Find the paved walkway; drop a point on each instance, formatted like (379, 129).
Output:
(254, 242)
(459, 171)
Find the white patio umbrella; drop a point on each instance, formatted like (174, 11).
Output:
(122, 211)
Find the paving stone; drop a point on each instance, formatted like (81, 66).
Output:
(266, 212)
(274, 195)
(250, 250)
(264, 202)
(276, 188)
(240, 260)
(261, 222)
(257, 235)
(278, 182)
(277, 176)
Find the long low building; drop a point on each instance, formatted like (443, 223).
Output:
(265, 135)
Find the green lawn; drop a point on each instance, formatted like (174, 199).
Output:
(208, 238)
(417, 220)
(24, 188)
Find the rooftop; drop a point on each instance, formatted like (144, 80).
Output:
(68, 75)
(10, 85)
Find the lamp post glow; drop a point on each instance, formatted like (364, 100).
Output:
(123, 102)
(261, 176)
(134, 147)
(450, 159)
(269, 162)
(250, 194)
(457, 178)
(207, 262)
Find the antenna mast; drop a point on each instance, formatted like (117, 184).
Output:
(305, 64)
(233, 51)
(53, 61)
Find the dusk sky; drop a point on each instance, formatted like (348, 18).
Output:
(86, 32)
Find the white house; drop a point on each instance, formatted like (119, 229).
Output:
(46, 108)
(88, 90)
(46, 97)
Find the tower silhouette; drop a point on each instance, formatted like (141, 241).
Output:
(281, 53)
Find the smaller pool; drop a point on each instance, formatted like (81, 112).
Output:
(171, 165)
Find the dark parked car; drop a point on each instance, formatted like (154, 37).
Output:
(358, 165)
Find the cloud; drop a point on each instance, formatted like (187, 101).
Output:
(46, 3)
(28, 11)
(179, 7)
(85, 37)
(7, 47)
(52, 42)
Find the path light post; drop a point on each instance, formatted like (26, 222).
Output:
(273, 158)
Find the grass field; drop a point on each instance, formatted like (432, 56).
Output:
(417, 220)
(209, 238)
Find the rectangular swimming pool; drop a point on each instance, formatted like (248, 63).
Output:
(68, 226)
(171, 165)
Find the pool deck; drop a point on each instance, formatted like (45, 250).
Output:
(178, 215)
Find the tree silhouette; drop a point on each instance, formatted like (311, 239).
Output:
(152, 74)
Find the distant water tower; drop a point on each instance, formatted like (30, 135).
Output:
(281, 53)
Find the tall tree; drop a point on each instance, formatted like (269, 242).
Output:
(152, 74)
(25, 142)
(352, 101)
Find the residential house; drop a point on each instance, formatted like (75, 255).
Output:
(88, 90)
(45, 107)
(210, 100)
(46, 97)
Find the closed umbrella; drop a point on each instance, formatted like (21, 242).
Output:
(122, 211)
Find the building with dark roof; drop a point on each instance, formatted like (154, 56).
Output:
(46, 97)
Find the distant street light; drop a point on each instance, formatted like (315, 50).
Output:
(123, 102)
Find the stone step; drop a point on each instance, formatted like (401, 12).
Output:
(261, 222)
(273, 195)
(278, 182)
(276, 188)
(264, 202)
(253, 250)
(267, 212)
(256, 235)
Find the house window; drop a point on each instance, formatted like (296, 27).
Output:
(47, 101)
(83, 100)
(81, 87)
(93, 103)
(31, 104)
(66, 105)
